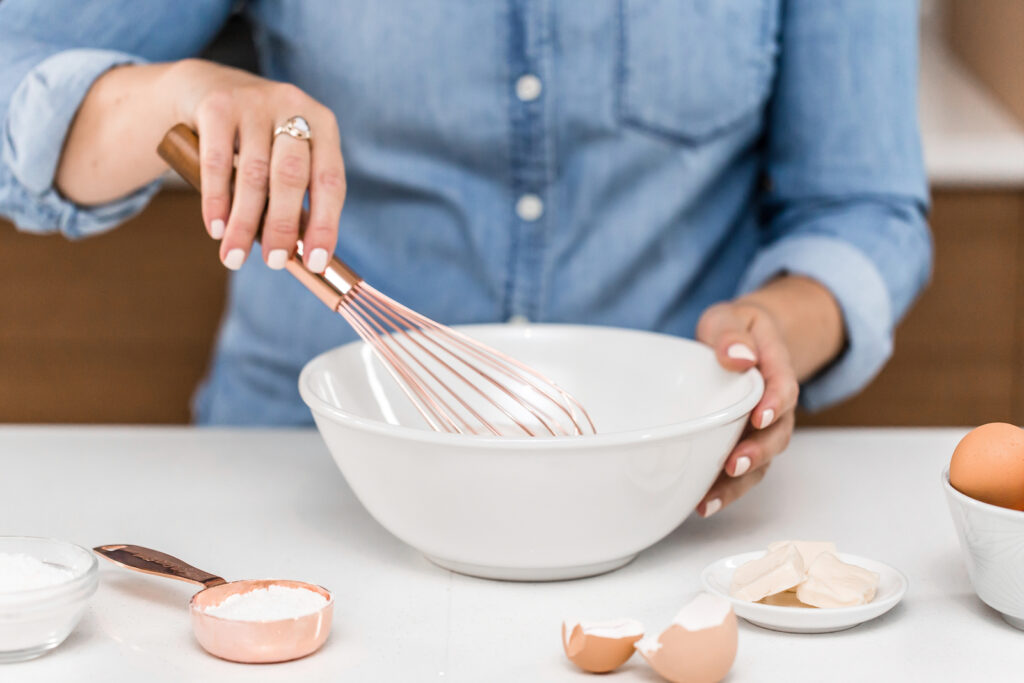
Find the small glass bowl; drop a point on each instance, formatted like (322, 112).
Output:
(35, 621)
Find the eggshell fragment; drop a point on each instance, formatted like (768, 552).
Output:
(988, 465)
(699, 646)
(600, 646)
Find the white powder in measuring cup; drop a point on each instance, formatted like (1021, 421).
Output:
(21, 572)
(268, 604)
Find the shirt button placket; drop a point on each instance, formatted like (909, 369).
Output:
(529, 57)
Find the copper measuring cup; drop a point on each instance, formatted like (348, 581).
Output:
(249, 642)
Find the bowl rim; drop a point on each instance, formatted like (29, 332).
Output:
(989, 508)
(59, 591)
(194, 608)
(703, 422)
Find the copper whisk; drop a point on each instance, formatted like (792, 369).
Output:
(457, 384)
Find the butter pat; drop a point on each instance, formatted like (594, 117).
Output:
(779, 570)
(834, 583)
(809, 550)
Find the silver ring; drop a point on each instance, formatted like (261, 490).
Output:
(297, 127)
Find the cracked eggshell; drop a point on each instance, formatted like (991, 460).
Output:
(699, 646)
(600, 646)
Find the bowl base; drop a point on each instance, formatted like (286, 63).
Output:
(11, 656)
(800, 629)
(531, 573)
(1013, 621)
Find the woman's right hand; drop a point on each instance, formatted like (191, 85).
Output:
(234, 111)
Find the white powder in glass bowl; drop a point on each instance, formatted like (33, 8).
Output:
(268, 604)
(21, 572)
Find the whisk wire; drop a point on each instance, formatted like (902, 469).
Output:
(425, 398)
(405, 342)
(368, 306)
(409, 384)
(396, 316)
(570, 406)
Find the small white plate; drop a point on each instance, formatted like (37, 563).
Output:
(892, 584)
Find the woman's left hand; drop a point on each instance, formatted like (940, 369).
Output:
(745, 335)
(790, 329)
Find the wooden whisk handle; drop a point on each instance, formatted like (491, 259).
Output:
(180, 149)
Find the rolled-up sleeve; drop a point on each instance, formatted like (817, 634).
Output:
(847, 194)
(38, 118)
(51, 52)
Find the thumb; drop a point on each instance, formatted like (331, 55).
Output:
(726, 329)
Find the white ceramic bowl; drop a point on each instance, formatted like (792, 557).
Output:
(35, 621)
(540, 508)
(992, 539)
(892, 585)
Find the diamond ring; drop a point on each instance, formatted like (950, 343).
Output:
(296, 126)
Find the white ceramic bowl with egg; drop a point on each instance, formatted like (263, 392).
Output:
(542, 508)
(992, 540)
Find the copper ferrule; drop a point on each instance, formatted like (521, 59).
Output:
(330, 286)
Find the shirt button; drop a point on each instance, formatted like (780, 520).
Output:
(528, 88)
(529, 207)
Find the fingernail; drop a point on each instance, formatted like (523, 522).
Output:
(713, 506)
(317, 260)
(217, 229)
(740, 352)
(277, 258)
(742, 465)
(235, 259)
(766, 417)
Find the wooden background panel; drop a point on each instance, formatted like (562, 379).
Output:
(118, 328)
(957, 355)
(114, 328)
(988, 36)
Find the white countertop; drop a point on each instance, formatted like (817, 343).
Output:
(252, 504)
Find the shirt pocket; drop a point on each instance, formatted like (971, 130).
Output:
(690, 69)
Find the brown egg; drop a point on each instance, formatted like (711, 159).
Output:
(699, 646)
(600, 646)
(988, 465)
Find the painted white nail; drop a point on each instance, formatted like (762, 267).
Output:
(766, 417)
(277, 258)
(217, 229)
(742, 465)
(317, 260)
(235, 259)
(712, 507)
(740, 352)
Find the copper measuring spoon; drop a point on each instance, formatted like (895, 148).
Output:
(249, 642)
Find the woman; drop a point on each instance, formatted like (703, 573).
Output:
(748, 172)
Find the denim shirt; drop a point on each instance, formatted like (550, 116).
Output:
(613, 162)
